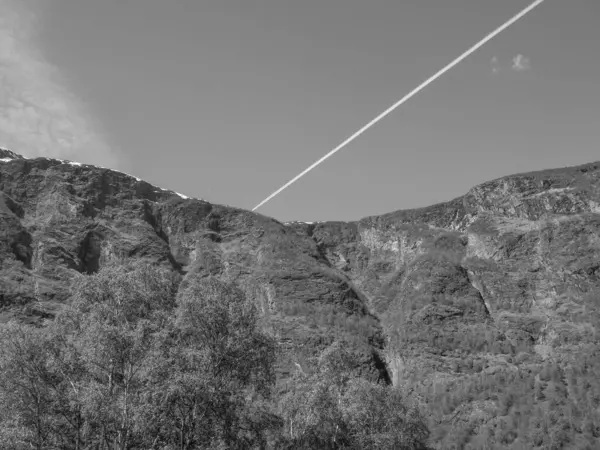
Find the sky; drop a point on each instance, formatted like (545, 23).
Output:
(227, 100)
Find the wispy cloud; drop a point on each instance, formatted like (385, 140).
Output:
(494, 63)
(521, 63)
(38, 114)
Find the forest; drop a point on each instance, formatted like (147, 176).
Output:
(140, 360)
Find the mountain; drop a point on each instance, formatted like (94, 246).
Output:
(484, 309)
(60, 218)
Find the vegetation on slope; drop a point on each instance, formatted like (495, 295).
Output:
(483, 311)
(138, 360)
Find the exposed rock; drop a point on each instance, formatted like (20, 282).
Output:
(498, 281)
(61, 218)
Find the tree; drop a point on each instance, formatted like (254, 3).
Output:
(78, 384)
(129, 364)
(102, 343)
(333, 409)
(378, 418)
(212, 372)
(26, 419)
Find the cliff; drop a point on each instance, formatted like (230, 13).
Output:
(501, 284)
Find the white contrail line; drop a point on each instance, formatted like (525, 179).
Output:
(403, 99)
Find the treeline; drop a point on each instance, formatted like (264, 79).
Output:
(545, 406)
(138, 360)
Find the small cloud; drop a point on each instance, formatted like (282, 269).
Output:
(521, 63)
(494, 63)
(39, 114)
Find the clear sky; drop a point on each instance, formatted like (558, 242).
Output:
(228, 99)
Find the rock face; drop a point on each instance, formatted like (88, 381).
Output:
(61, 218)
(504, 278)
(501, 282)
(505, 258)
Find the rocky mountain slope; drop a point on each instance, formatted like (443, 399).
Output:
(60, 218)
(502, 284)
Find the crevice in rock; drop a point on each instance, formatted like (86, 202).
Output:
(21, 248)
(381, 366)
(154, 220)
(322, 255)
(105, 190)
(213, 222)
(12, 205)
(88, 210)
(213, 225)
(176, 264)
(479, 288)
(90, 251)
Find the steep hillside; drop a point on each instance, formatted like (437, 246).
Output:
(489, 297)
(485, 309)
(60, 218)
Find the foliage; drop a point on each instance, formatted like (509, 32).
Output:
(207, 368)
(128, 365)
(545, 406)
(138, 360)
(331, 409)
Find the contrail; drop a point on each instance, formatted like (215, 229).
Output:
(403, 100)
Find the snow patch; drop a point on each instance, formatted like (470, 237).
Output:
(132, 176)
(299, 221)
(65, 161)
(183, 196)
(11, 154)
(78, 164)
